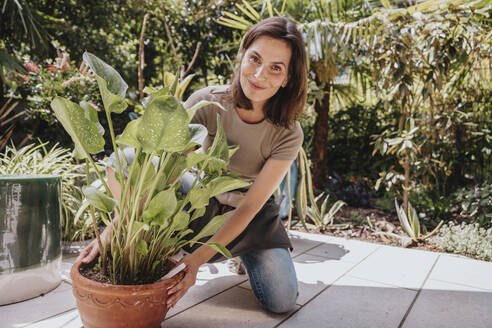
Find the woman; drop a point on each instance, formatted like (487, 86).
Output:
(266, 97)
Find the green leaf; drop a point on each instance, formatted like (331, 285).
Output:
(219, 248)
(84, 132)
(218, 152)
(199, 197)
(91, 115)
(202, 103)
(99, 199)
(111, 84)
(164, 126)
(142, 247)
(181, 220)
(194, 158)
(225, 183)
(211, 227)
(161, 207)
(129, 136)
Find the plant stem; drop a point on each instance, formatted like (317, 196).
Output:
(96, 228)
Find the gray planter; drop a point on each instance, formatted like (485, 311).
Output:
(30, 251)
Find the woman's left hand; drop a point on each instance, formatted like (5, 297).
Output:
(175, 292)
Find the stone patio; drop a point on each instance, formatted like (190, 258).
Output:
(342, 283)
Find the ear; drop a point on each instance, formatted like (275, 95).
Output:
(284, 84)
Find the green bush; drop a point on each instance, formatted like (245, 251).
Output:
(36, 159)
(61, 78)
(465, 239)
(476, 202)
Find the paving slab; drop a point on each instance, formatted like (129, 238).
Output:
(69, 319)
(396, 266)
(314, 274)
(464, 271)
(236, 307)
(212, 279)
(344, 250)
(301, 245)
(22, 313)
(354, 303)
(445, 305)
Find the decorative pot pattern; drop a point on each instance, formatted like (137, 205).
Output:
(106, 305)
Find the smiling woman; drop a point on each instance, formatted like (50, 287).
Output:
(262, 105)
(263, 137)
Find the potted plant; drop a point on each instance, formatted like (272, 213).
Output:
(121, 287)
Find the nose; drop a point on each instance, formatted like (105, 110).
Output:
(259, 71)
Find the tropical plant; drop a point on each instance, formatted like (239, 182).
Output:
(37, 159)
(422, 59)
(410, 224)
(153, 217)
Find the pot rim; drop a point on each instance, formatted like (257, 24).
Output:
(77, 277)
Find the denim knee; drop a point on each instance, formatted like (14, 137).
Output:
(272, 278)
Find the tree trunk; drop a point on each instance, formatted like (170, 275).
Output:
(320, 137)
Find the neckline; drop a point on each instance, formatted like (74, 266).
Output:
(246, 122)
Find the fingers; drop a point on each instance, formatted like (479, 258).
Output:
(92, 255)
(177, 291)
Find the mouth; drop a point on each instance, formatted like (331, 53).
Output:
(255, 86)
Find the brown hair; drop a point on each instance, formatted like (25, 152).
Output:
(287, 105)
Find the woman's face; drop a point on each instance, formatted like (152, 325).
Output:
(264, 69)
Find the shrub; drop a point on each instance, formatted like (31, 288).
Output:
(36, 159)
(476, 202)
(465, 239)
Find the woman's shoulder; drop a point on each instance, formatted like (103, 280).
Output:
(209, 93)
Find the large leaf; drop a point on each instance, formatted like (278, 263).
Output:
(199, 197)
(225, 183)
(219, 248)
(218, 152)
(202, 103)
(129, 136)
(161, 207)
(164, 126)
(142, 248)
(211, 227)
(83, 130)
(99, 199)
(181, 220)
(111, 84)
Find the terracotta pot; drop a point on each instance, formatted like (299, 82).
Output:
(105, 305)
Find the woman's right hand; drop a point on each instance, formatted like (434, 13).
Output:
(90, 252)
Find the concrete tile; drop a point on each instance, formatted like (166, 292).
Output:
(69, 258)
(446, 305)
(65, 272)
(301, 244)
(313, 275)
(55, 302)
(354, 303)
(464, 271)
(316, 237)
(345, 250)
(235, 307)
(69, 319)
(212, 278)
(396, 266)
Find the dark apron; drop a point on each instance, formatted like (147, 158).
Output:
(263, 232)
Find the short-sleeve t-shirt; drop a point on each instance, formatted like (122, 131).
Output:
(257, 142)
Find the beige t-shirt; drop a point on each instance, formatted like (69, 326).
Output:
(257, 142)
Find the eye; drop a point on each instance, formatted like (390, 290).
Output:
(276, 68)
(254, 59)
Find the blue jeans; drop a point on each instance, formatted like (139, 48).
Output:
(273, 278)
